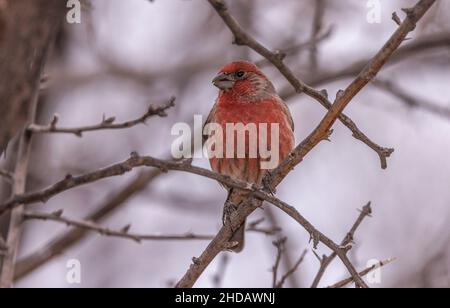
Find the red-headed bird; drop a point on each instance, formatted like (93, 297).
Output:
(248, 97)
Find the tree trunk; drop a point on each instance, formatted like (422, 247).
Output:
(27, 28)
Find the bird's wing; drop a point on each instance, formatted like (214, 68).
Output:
(287, 112)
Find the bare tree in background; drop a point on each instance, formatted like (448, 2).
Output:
(21, 66)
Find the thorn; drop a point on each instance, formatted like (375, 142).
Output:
(58, 213)
(196, 260)
(54, 121)
(126, 229)
(396, 18)
(134, 155)
(368, 208)
(339, 94)
(324, 92)
(314, 237)
(238, 41)
(68, 177)
(408, 11)
(327, 137)
(109, 120)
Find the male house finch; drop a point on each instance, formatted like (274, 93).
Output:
(248, 97)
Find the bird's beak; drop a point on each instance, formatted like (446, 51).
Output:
(223, 81)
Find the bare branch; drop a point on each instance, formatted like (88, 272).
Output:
(325, 261)
(365, 272)
(431, 42)
(279, 245)
(410, 100)
(107, 123)
(317, 25)
(254, 226)
(291, 271)
(123, 233)
(296, 48)
(287, 258)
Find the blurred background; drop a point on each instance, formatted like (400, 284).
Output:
(127, 54)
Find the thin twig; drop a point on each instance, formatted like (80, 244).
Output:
(279, 245)
(325, 261)
(107, 123)
(123, 233)
(287, 258)
(296, 48)
(319, 10)
(363, 273)
(291, 271)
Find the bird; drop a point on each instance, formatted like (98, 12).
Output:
(246, 96)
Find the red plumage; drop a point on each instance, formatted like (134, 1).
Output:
(248, 97)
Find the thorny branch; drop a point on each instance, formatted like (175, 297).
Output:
(365, 272)
(325, 261)
(107, 123)
(319, 134)
(123, 233)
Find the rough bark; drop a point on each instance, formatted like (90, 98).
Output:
(26, 30)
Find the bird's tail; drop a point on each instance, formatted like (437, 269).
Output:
(239, 237)
(234, 199)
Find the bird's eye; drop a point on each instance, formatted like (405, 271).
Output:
(240, 74)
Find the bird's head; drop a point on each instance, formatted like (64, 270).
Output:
(244, 80)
